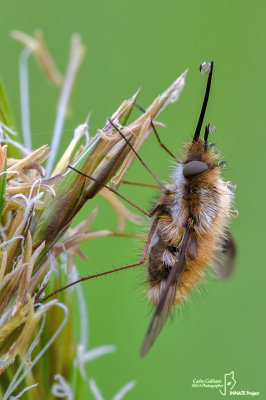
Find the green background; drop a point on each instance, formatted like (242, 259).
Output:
(148, 44)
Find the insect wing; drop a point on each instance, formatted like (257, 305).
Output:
(167, 298)
(159, 318)
(225, 263)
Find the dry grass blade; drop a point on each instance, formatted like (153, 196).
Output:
(37, 241)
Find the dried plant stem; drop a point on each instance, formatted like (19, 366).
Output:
(76, 55)
(38, 244)
(24, 96)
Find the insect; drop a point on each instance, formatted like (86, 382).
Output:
(189, 229)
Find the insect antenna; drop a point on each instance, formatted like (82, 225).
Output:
(167, 191)
(206, 135)
(204, 105)
(157, 135)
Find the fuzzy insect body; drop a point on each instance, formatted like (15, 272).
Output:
(203, 200)
(189, 229)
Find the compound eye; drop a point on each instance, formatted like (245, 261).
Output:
(194, 168)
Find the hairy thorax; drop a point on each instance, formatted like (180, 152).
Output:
(205, 201)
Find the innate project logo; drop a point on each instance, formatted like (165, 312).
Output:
(229, 383)
(225, 385)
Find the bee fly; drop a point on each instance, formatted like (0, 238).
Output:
(189, 229)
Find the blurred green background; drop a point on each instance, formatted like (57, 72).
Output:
(148, 44)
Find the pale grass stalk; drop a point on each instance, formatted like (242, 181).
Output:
(121, 394)
(7, 139)
(75, 59)
(23, 391)
(83, 354)
(24, 96)
(37, 243)
(8, 129)
(95, 390)
(17, 380)
(61, 388)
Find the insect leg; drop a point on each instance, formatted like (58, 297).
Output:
(86, 278)
(206, 135)
(113, 234)
(111, 190)
(167, 191)
(157, 135)
(141, 184)
(127, 235)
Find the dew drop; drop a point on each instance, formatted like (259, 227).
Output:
(232, 212)
(205, 68)
(212, 129)
(117, 123)
(222, 164)
(213, 148)
(109, 126)
(230, 185)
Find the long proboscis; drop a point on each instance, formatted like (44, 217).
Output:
(204, 105)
